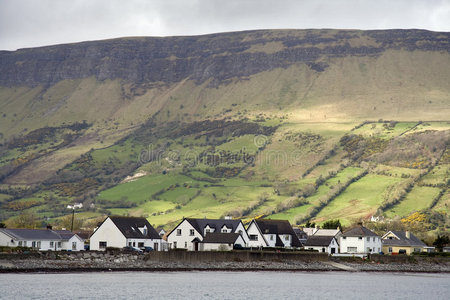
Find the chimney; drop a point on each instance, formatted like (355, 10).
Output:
(49, 227)
(408, 234)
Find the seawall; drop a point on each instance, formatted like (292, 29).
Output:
(213, 261)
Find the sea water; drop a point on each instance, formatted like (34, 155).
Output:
(225, 285)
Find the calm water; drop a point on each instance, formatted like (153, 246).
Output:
(225, 285)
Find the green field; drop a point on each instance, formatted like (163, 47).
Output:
(418, 199)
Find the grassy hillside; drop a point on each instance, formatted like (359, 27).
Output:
(302, 125)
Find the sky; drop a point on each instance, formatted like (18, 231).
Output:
(33, 23)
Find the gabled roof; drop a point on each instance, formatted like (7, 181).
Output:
(65, 234)
(327, 232)
(358, 231)
(200, 224)
(129, 226)
(31, 234)
(220, 238)
(320, 240)
(402, 240)
(278, 227)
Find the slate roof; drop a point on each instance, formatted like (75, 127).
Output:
(129, 226)
(217, 224)
(358, 231)
(327, 232)
(220, 238)
(403, 240)
(65, 234)
(31, 234)
(278, 227)
(320, 240)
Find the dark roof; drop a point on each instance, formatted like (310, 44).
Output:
(403, 240)
(359, 231)
(220, 238)
(278, 227)
(31, 234)
(65, 234)
(279, 242)
(321, 240)
(129, 226)
(217, 224)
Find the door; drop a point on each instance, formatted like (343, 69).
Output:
(333, 250)
(155, 246)
(195, 246)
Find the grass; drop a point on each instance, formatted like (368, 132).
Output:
(143, 188)
(439, 175)
(359, 200)
(419, 198)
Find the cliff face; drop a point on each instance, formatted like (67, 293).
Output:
(218, 57)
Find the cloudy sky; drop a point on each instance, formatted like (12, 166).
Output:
(32, 23)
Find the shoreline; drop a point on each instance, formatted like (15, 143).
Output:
(171, 270)
(177, 261)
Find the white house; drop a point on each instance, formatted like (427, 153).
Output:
(217, 241)
(41, 239)
(190, 232)
(272, 233)
(119, 232)
(323, 243)
(359, 240)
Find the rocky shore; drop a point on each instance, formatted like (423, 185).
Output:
(107, 261)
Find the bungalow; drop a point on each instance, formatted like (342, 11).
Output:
(189, 233)
(120, 232)
(359, 239)
(41, 239)
(272, 233)
(395, 242)
(323, 243)
(218, 241)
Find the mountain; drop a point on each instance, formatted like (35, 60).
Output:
(298, 124)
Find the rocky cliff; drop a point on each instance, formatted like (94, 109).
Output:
(217, 57)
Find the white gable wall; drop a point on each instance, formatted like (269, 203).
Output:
(75, 243)
(253, 230)
(109, 233)
(181, 236)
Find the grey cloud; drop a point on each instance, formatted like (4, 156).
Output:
(29, 23)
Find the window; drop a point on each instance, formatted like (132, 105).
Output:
(38, 244)
(24, 243)
(178, 231)
(374, 239)
(129, 244)
(134, 244)
(52, 244)
(59, 244)
(175, 245)
(207, 230)
(271, 237)
(360, 238)
(224, 230)
(141, 244)
(20, 243)
(352, 249)
(417, 249)
(33, 244)
(74, 245)
(191, 232)
(286, 237)
(102, 245)
(253, 237)
(390, 249)
(368, 239)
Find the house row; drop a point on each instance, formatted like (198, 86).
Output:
(216, 234)
(41, 239)
(360, 240)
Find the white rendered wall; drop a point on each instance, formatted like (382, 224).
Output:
(107, 232)
(184, 240)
